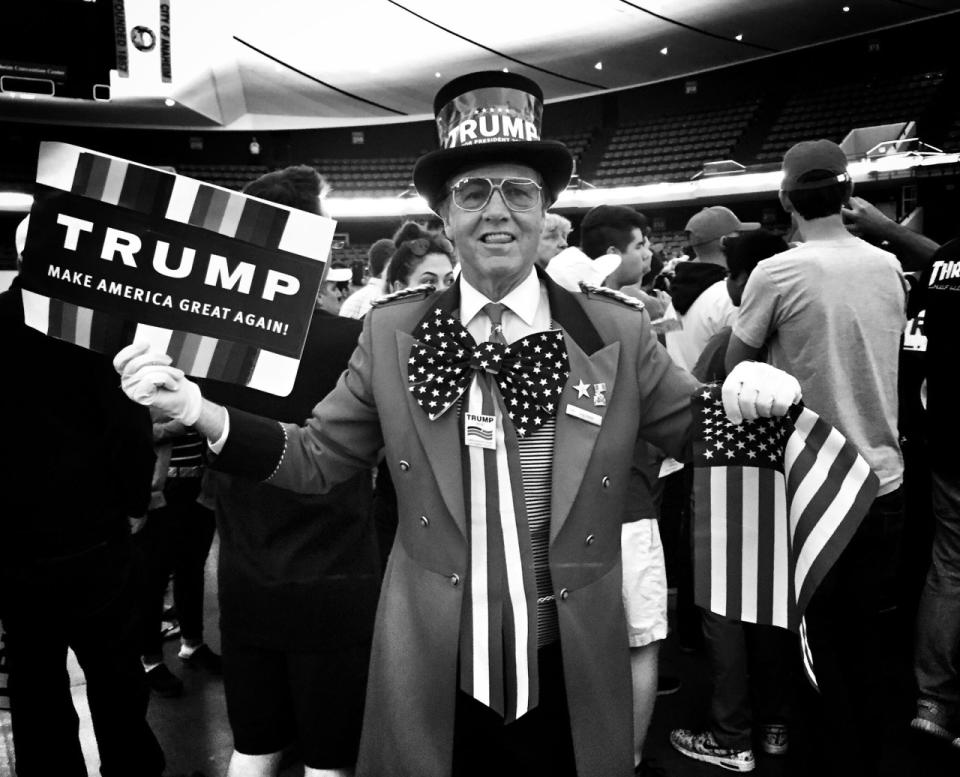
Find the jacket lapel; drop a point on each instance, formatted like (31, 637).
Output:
(579, 421)
(579, 418)
(440, 438)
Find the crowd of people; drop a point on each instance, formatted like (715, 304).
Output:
(454, 566)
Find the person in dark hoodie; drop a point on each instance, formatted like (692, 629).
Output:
(299, 574)
(76, 481)
(701, 304)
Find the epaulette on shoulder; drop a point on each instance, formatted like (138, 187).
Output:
(612, 294)
(422, 291)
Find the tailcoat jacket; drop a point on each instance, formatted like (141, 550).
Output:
(409, 714)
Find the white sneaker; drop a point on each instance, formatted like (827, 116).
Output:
(702, 746)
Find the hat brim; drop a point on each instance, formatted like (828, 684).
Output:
(548, 157)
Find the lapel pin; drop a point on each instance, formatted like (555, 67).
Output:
(583, 389)
(599, 400)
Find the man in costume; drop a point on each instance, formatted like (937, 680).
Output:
(508, 409)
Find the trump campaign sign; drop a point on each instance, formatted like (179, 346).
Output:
(119, 252)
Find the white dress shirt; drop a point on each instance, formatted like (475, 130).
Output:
(527, 311)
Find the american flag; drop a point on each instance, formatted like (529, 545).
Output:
(776, 501)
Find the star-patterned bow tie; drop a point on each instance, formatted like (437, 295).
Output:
(530, 372)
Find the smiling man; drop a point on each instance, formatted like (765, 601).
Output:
(508, 409)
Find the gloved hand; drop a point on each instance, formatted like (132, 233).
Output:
(757, 390)
(148, 379)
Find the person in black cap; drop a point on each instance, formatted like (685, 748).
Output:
(509, 409)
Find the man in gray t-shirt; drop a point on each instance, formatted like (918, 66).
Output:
(832, 311)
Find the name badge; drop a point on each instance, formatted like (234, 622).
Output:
(584, 415)
(479, 431)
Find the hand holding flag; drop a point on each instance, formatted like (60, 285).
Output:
(756, 390)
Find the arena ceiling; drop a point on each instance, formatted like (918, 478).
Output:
(283, 64)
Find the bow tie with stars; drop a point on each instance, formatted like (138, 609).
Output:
(530, 372)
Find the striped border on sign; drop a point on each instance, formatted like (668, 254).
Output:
(196, 355)
(149, 190)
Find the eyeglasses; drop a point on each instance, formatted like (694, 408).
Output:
(519, 194)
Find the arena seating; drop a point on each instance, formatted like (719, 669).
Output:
(370, 177)
(577, 142)
(227, 176)
(665, 148)
(832, 111)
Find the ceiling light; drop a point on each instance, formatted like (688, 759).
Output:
(437, 74)
(598, 66)
(739, 36)
(846, 9)
(169, 102)
(665, 50)
(506, 70)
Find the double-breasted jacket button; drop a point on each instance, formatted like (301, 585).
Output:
(424, 521)
(454, 579)
(404, 465)
(605, 482)
(589, 540)
(564, 593)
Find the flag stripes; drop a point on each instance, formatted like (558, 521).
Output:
(776, 503)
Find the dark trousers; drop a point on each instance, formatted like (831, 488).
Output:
(539, 743)
(937, 658)
(846, 641)
(176, 539)
(85, 602)
(752, 668)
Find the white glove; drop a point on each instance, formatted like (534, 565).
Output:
(754, 390)
(148, 379)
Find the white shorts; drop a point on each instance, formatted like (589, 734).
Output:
(644, 582)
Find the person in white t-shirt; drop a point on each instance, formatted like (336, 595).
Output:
(700, 302)
(358, 303)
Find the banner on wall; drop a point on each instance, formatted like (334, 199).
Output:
(119, 252)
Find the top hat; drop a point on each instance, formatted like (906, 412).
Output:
(485, 118)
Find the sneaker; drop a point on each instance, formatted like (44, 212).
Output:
(774, 739)
(164, 683)
(667, 685)
(203, 658)
(932, 718)
(703, 747)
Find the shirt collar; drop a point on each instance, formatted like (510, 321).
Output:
(522, 301)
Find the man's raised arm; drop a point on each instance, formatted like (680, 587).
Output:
(148, 379)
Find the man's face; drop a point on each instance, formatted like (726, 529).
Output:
(331, 296)
(551, 244)
(496, 245)
(636, 258)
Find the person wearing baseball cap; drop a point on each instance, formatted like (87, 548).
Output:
(700, 302)
(508, 409)
(707, 228)
(833, 309)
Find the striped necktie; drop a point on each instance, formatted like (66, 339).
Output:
(510, 391)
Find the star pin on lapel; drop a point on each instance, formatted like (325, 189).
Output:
(583, 389)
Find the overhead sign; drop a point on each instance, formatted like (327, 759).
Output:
(223, 282)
